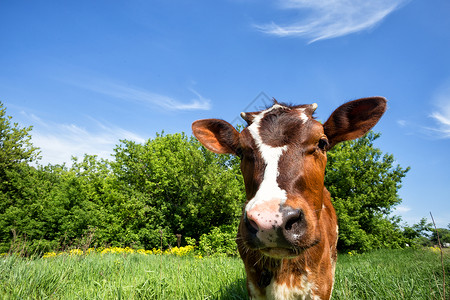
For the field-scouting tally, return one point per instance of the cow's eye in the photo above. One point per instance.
(323, 143)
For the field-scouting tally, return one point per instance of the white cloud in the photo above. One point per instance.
(442, 119)
(59, 142)
(331, 18)
(442, 115)
(402, 123)
(145, 97)
(402, 209)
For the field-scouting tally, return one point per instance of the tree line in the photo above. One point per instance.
(147, 193)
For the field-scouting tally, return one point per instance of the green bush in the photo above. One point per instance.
(219, 241)
(364, 185)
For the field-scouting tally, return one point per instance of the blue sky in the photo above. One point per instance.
(88, 73)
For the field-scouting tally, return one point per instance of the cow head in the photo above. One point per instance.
(283, 157)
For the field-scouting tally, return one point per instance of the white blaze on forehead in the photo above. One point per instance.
(302, 114)
(269, 188)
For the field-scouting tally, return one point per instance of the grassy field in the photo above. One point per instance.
(393, 274)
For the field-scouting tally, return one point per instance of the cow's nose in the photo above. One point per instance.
(274, 227)
(260, 219)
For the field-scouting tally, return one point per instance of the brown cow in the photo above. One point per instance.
(288, 231)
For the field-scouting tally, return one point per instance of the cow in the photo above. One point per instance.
(288, 231)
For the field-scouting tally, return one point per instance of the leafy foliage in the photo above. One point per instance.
(220, 241)
(147, 194)
(188, 189)
(15, 143)
(364, 186)
(419, 234)
(444, 236)
(17, 193)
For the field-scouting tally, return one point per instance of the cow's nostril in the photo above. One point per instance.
(293, 217)
(251, 225)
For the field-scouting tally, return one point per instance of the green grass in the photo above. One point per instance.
(384, 274)
(391, 274)
(117, 276)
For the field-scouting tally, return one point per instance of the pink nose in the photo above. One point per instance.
(272, 223)
(266, 215)
(264, 219)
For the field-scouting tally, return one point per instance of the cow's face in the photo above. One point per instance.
(283, 158)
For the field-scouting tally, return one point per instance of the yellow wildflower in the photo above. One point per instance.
(435, 249)
(49, 254)
(75, 252)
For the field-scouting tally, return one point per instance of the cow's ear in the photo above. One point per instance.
(216, 135)
(354, 119)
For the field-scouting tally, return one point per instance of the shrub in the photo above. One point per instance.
(219, 241)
